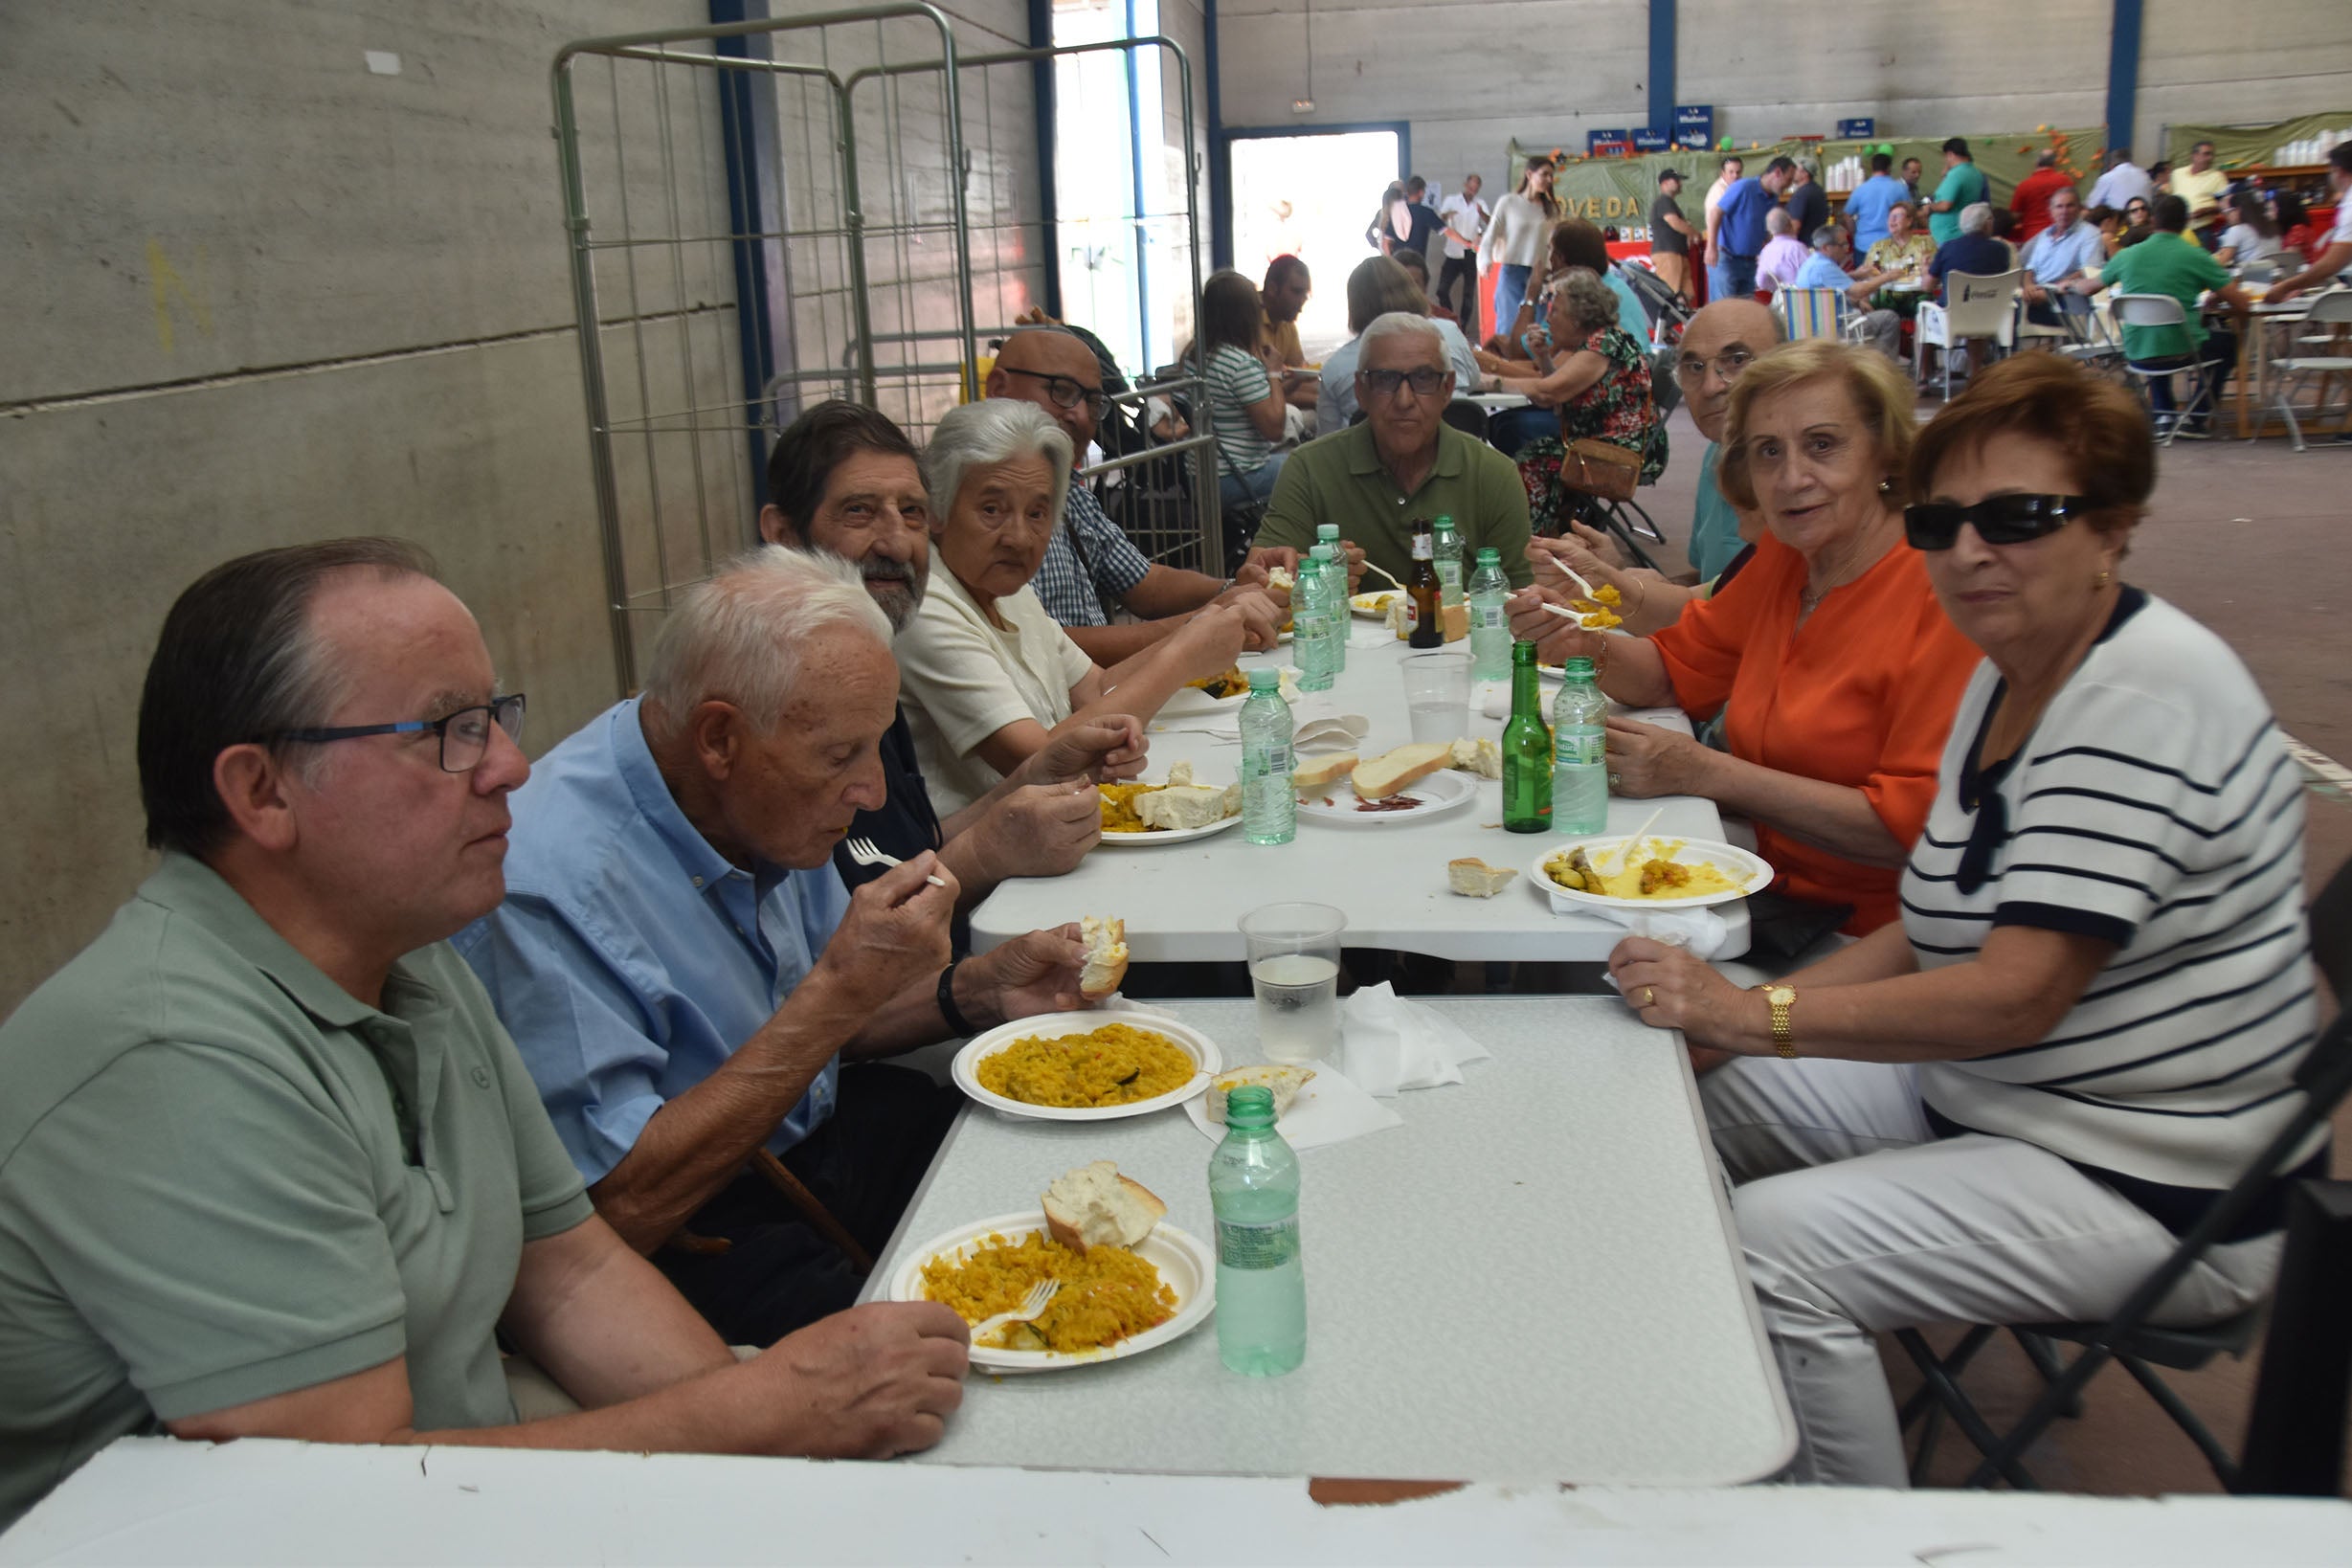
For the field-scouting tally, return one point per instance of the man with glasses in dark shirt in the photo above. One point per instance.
(1403, 462)
(1090, 564)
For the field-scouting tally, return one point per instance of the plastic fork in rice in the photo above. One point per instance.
(865, 852)
(1040, 1298)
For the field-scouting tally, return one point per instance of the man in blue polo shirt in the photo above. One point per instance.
(1872, 200)
(1737, 234)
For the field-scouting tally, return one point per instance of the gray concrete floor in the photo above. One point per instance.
(2242, 535)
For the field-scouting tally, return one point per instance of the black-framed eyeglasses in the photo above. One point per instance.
(1999, 520)
(464, 735)
(1424, 381)
(1065, 391)
(1728, 364)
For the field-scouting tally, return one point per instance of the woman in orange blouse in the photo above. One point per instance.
(1836, 670)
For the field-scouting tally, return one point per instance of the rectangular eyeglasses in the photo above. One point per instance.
(464, 735)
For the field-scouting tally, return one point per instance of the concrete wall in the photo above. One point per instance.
(260, 291)
(1471, 76)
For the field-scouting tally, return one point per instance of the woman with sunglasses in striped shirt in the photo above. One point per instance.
(2007, 1106)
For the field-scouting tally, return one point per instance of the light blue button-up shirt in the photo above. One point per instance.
(630, 959)
(1868, 207)
(2052, 255)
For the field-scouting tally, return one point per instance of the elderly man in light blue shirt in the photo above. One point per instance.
(1824, 268)
(685, 972)
(2062, 262)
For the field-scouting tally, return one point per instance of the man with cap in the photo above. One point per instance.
(1672, 236)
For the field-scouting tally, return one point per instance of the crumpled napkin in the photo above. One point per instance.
(1342, 733)
(1393, 1044)
(1330, 1109)
(1370, 634)
(1701, 931)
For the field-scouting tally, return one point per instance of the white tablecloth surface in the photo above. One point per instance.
(1534, 1280)
(1181, 902)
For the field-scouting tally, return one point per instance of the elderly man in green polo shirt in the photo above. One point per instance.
(1403, 462)
(269, 1167)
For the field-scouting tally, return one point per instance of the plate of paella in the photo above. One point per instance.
(1087, 1066)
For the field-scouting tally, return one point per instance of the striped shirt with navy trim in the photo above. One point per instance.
(2155, 806)
(1237, 379)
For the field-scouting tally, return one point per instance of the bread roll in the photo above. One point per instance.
(1480, 757)
(1105, 956)
(1405, 766)
(1474, 878)
(1285, 1081)
(1094, 1205)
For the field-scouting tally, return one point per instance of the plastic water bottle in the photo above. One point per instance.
(1327, 533)
(1449, 562)
(1269, 805)
(1310, 624)
(1260, 1280)
(1489, 620)
(1579, 753)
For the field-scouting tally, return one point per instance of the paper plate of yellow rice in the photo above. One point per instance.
(1660, 873)
(1114, 1302)
(1086, 1067)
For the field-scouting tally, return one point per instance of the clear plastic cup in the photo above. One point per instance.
(1437, 694)
(1295, 974)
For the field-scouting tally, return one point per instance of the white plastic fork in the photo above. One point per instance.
(865, 852)
(1385, 572)
(1040, 1298)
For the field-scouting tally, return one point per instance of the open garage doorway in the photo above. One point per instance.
(1312, 196)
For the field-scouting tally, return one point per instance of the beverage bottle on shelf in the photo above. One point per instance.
(1260, 1280)
(1448, 545)
(1579, 752)
(1327, 533)
(1527, 744)
(1314, 626)
(1489, 620)
(1270, 806)
(1421, 584)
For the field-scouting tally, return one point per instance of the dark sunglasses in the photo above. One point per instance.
(1999, 520)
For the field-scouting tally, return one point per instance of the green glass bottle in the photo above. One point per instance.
(1526, 749)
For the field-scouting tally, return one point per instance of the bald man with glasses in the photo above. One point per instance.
(1092, 567)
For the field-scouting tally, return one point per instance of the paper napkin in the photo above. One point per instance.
(1393, 1044)
(1330, 1109)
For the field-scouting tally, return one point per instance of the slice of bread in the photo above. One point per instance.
(1285, 1081)
(1094, 1205)
(1474, 878)
(1405, 766)
(1480, 756)
(1455, 621)
(1323, 773)
(1105, 956)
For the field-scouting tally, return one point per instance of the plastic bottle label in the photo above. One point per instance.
(1490, 616)
(1581, 748)
(1240, 1244)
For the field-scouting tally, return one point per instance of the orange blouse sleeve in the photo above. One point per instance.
(1901, 789)
(1702, 649)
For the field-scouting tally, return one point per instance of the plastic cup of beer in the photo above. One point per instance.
(1295, 974)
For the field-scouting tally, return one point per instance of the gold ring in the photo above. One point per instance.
(1650, 994)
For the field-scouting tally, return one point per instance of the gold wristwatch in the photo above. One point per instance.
(1784, 1038)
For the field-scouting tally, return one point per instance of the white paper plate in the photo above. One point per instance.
(1752, 873)
(965, 1068)
(1373, 606)
(1442, 791)
(1184, 1261)
(1193, 700)
(1171, 836)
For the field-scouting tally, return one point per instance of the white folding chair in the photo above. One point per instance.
(1982, 309)
(2163, 310)
(2332, 310)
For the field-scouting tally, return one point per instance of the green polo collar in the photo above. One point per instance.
(1364, 454)
(187, 886)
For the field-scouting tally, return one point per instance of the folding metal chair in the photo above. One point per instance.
(1809, 313)
(2158, 310)
(2332, 310)
(2324, 1077)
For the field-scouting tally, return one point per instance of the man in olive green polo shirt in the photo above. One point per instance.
(270, 1166)
(1403, 463)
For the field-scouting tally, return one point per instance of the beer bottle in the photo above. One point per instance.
(1422, 583)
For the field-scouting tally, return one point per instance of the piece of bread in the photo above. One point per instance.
(1474, 878)
(1323, 773)
(1393, 771)
(1480, 756)
(1105, 956)
(1285, 1081)
(1094, 1205)
(1187, 806)
(1454, 619)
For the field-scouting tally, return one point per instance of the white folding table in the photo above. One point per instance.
(1534, 1280)
(1181, 900)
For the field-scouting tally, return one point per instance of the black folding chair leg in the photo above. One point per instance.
(1963, 1414)
(2046, 1362)
(1923, 1401)
(2215, 1455)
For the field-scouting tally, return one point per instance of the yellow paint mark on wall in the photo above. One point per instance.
(166, 281)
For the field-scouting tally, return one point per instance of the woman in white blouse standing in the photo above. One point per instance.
(1515, 239)
(986, 675)
(2007, 1106)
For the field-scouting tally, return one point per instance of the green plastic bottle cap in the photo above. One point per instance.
(1577, 669)
(1269, 679)
(1252, 1104)
(1488, 555)
(1327, 530)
